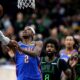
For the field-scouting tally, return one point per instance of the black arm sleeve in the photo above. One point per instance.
(63, 66)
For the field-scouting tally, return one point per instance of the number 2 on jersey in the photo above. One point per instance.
(26, 59)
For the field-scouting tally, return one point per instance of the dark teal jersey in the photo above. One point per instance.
(52, 70)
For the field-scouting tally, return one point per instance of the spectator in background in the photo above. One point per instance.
(6, 21)
(8, 28)
(20, 35)
(62, 41)
(19, 24)
(64, 31)
(54, 32)
(38, 37)
(32, 19)
(41, 29)
(9, 31)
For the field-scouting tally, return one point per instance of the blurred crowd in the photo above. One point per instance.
(51, 18)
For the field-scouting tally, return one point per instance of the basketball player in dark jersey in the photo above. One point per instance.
(52, 66)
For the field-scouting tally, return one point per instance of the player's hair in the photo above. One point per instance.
(52, 41)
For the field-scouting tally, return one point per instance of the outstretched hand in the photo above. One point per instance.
(73, 61)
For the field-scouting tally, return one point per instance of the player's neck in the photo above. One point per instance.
(69, 49)
(27, 41)
(51, 58)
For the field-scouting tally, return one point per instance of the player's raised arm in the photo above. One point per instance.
(7, 44)
(35, 52)
(6, 41)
